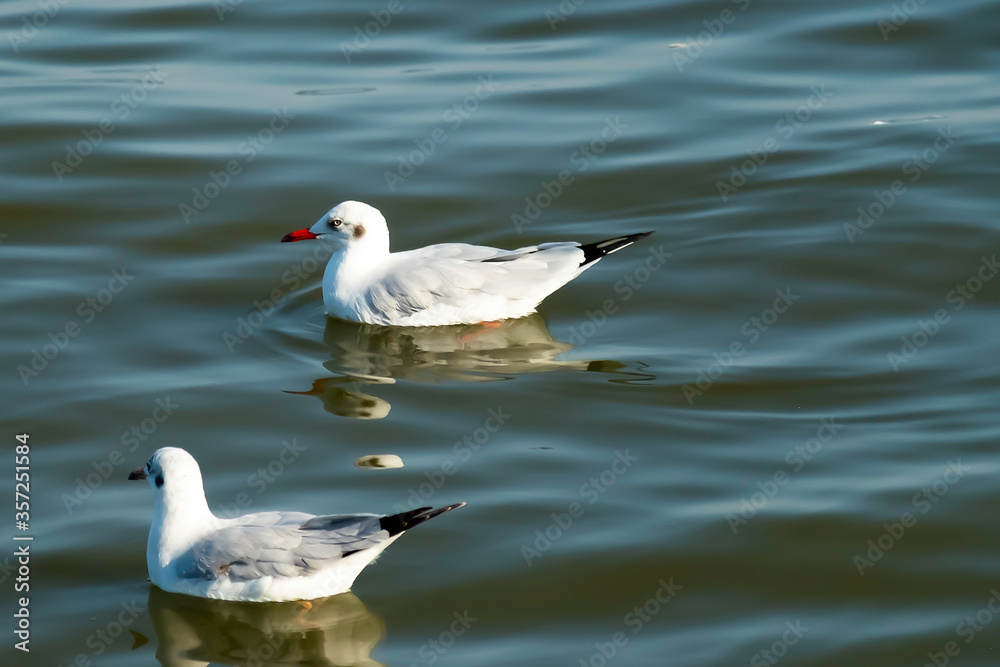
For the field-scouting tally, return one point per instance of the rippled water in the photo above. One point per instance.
(765, 434)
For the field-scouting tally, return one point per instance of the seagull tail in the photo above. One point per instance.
(594, 251)
(397, 523)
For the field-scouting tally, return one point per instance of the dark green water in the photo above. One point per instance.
(765, 434)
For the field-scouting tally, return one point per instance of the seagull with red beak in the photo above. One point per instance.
(447, 283)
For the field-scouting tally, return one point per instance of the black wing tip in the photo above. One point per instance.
(398, 523)
(594, 251)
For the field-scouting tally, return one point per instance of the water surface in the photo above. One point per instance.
(768, 428)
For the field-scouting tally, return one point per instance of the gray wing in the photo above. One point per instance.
(460, 273)
(277, 544)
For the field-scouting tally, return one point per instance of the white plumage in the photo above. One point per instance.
(447, 283)
(261, 557)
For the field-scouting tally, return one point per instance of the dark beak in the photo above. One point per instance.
(138, 473)
(300, 235)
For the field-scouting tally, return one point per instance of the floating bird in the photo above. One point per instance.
(262, 557)
(447, 283)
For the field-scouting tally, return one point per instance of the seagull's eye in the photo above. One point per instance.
(336, 223)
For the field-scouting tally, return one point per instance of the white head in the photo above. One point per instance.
(172, 473)
(349, 224)
(180, 515)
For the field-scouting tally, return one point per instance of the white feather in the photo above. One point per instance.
(260, 557)
(448, 283)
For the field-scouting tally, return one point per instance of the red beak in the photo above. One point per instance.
(300, 235)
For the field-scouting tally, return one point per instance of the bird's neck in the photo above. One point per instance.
(352, 266)
(179, 520)
(374, 247)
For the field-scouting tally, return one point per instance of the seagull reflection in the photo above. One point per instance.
(340, 396)
(364, 356)
(338, 630)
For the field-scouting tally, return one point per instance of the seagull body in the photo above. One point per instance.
(447, 283)
(261, 557)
